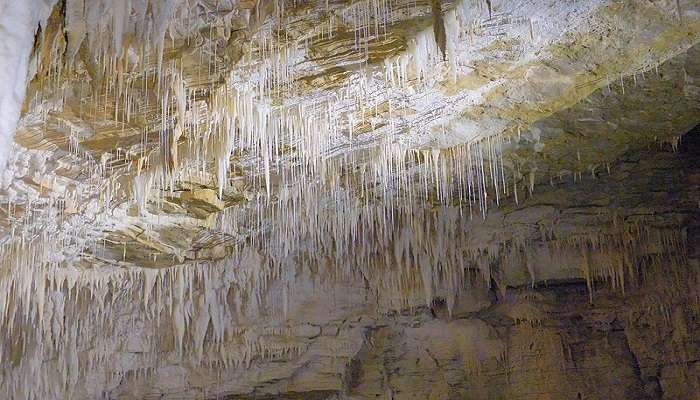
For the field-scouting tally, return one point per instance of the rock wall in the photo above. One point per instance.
(615, 348)
(557, 337)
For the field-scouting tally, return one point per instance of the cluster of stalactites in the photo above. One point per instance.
(113, 28)
(408, 257)
(60, 324)
(394, 214)
(244, 120)
(403, 249)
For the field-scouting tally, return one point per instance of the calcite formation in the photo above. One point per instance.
(349, 199)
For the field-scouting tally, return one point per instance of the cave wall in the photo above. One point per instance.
(555, 337)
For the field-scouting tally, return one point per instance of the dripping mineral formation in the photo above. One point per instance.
(349, 199)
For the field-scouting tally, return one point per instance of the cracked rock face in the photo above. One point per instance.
(349, 199)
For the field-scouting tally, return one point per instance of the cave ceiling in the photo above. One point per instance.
(229, 172)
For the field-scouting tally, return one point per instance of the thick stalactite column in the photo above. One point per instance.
(19, 21)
